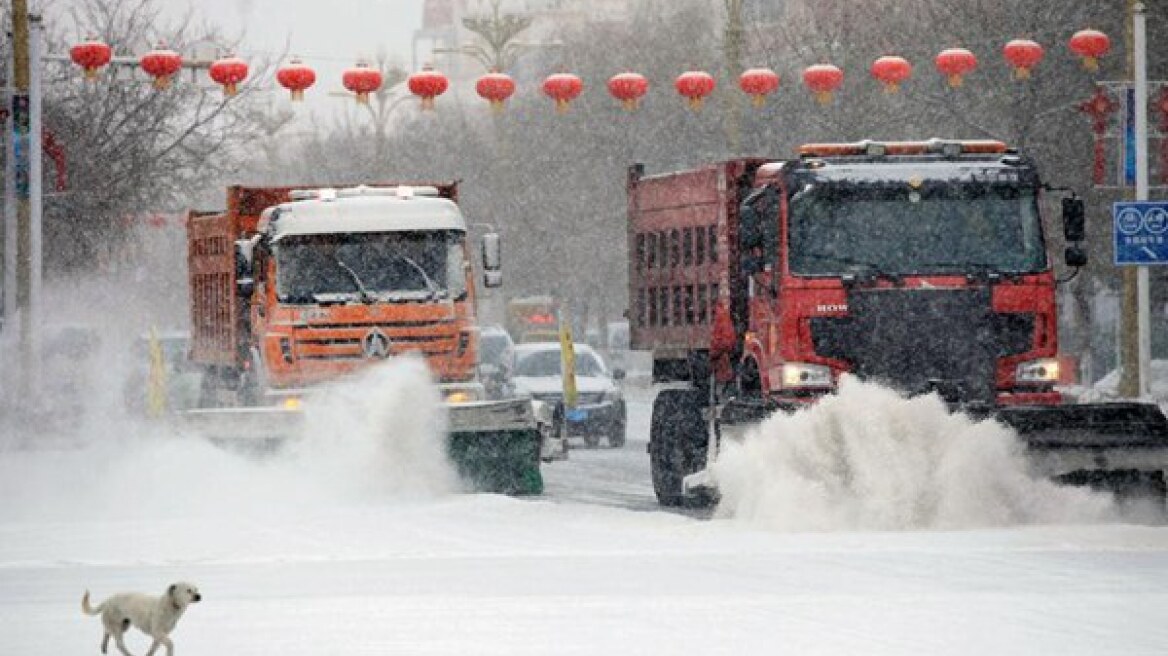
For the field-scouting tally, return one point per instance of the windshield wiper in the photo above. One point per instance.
(431, 286)
(861, 269)
(976, 270)
(366, 297)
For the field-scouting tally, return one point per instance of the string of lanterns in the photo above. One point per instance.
(823, 79)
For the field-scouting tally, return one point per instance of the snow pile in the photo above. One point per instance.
(867, 458)
(375, 437)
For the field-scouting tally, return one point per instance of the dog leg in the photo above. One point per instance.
(121, 645)
(105, 643)
(164, 641)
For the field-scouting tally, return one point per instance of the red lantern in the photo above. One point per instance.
(428, 84)
(695, 86)
(823, 80)
(563, 88)
(1023, 55)
(955, 64)
(91, 55)
(362, 80)
(759, 83)
(891, 71)
(628, 88)
(229, 72)
(495, 87)
(1090, 45)
(296, 77)
(161, 64)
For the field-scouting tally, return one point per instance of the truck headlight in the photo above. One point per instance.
(801, 375)
(1045, 370)
(459, 396)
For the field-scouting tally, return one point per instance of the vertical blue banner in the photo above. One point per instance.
(20, 128)
(1129, 137)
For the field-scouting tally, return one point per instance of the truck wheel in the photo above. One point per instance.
(677, 442)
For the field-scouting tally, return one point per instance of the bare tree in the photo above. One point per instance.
(132, 149)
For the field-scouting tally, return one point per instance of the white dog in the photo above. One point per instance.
(154, 616)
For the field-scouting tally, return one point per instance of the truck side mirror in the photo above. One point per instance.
(492, 257)
(750, 230)
(1074, 219)
(1075, 256)
(245, 268)
(244, 258)
(753, 265)
(245, 286)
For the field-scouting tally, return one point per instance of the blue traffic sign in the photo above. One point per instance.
(1141, 233)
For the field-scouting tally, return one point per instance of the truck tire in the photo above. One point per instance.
(677, 442)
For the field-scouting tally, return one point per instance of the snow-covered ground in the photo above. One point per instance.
(861, 535)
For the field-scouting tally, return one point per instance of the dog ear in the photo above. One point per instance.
(170, 590)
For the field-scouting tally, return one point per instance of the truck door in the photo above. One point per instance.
(759, 221)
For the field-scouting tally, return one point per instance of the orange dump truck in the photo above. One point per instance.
(292, 288)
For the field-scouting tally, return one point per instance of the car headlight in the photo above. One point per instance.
(801, 375)
(1045, 370)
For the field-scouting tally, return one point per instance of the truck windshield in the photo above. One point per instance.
(899, 229)
(383, 266)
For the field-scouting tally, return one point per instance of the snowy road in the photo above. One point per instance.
(315, 556)
(604, 476)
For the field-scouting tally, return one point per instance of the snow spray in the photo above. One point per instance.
(868, 458)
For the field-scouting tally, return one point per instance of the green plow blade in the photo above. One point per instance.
(502, 462)
(495, 445)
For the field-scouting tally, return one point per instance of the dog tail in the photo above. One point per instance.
(85, 607)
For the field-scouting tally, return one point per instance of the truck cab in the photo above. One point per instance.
(920, 265)
(330, 280)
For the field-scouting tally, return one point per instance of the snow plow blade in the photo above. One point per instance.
(494, 445)
(1121, 447)
(1091, 437)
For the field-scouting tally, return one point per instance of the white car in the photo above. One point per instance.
(600, 407)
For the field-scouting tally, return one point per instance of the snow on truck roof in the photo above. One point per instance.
(342, 211)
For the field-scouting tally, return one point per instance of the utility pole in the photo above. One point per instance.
(1143, 283)
(21, 120)
(1130, 385)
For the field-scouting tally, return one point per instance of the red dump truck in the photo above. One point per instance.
(923, 265)
(293, 288)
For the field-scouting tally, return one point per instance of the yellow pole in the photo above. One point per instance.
(156, 385)
(568, 361)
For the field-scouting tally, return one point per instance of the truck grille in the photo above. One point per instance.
(920, 340)
(344, 342)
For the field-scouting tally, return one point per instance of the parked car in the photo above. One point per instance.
(496, 360)
(600, 408)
